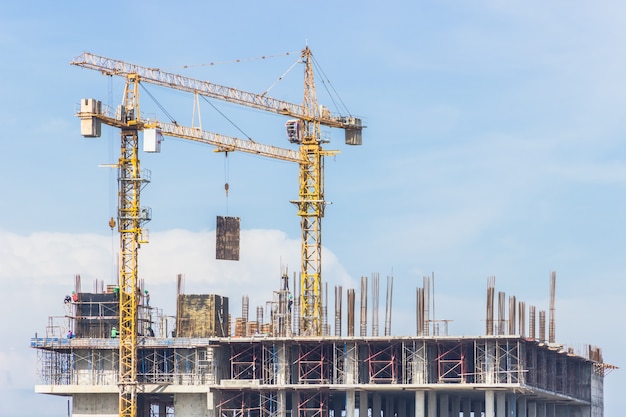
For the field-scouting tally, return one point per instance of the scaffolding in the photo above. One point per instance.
(267, 371)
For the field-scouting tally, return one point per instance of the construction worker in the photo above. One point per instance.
(116, 292)
(67, 299)
(146, 294)
(74, 296)
(114, 332)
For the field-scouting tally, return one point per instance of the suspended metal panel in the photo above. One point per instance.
(227, 238)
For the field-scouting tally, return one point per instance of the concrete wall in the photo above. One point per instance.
(92, 405)
(191, 405)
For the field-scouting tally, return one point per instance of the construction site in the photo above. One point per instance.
(116, 354)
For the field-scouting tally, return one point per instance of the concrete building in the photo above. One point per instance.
(200, 368)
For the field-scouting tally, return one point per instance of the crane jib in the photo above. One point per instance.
(111, 66)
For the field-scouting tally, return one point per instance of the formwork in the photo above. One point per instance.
(269, 371)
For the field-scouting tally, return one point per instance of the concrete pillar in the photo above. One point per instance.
(532, 409)
(363, 404)
(211, 403)
(282, 403)
(500, 404)
(489, 404)
(512, 405)
(376, 408)
(401, 407)
(444, 406)
(350, 403)
(432, 404)
(419, 404)
(294, 403)
(467, 407)
(521, 407)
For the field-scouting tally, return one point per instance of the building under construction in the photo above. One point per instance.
(200, 362)
(114, 353)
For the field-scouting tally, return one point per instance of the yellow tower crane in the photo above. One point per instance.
(303, 128)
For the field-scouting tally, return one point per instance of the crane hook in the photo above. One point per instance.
(112, 223)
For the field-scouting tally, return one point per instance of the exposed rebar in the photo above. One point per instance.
(338, 297)
(351, 312)
(552, 325)
(542, 325)
(375, 302)
(388, 305)
(363, 322)
(532, 322)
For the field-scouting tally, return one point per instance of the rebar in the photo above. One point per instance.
(350, 294)
(338, 297)
(552, 325)
(512, 314)
(375, 302)
(531, 322)
(388, 305)
(363, 322)
(542, 325)
(491, 284)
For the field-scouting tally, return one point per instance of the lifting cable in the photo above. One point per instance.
(226, 178)
(326, 82)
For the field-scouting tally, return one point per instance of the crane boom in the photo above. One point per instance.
(109, 66)
(222, 142)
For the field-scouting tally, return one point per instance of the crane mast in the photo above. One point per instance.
(130, 219)
(131, 216)
(311, 206)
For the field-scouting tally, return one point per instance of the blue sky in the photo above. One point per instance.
(495, 146)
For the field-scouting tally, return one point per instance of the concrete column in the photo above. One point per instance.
(401, 407)
(350, 403)
(500, 404)
(489, 404)
(376, 408)
(467, 407)
(294, 403)
(532, 409)
(512, 406)
(419, 404)
(210, 405)
(432, 404)
(521, 407)
(282, 403)
(444, 406)
(363, 404)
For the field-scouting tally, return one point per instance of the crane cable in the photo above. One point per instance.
(226, 178)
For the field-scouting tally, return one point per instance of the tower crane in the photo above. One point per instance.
(303, 128)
